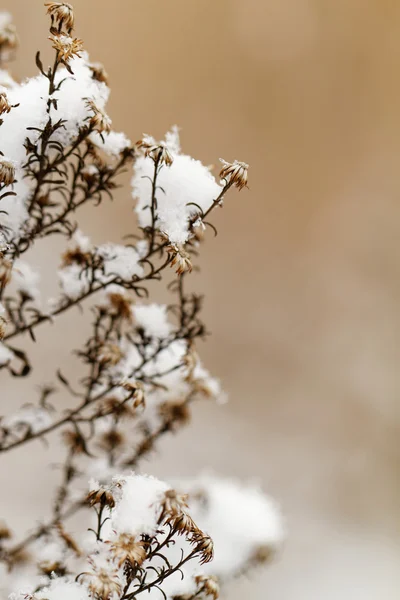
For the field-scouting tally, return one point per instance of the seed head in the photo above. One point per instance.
(8, 40)
(157, 151)
(111, 354)
(209, 585)
(183, 524)
(7, 172)
(205, 546)
(102, 496)
(61, 13)
(101, 583)
(173, 504)
(99, 121)
(121, 305)
(180, 259)
(174, 414)
(125, 548)
(98, 72)
(234, 173)
(5, 106)
(66, 46)
(5, 533)
(3, 327)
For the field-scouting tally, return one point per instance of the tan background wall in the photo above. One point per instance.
(303, 280)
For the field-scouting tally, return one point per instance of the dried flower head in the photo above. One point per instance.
(7, 172)
(8, 39)
(102, 496)
(61, 13)
(5, 106)
(111, 354)
(175, 414)
(125, 548)
(5, 533)
(66, 46)
(74, 440)
(180, 259)
(205, 546)
(101, 582)
(262, 555)
(76, 256)
(137, 391)
(173, 504)
(5, 271)
(234, 173)
(3, 328)
(157, 151)
(99, 121)
(111, 439)
(98, 72)
(122, 305)
(209, 585)
(183, 524)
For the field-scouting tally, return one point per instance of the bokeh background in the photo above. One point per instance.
(302, 283)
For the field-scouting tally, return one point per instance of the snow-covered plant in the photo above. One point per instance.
(58, 152)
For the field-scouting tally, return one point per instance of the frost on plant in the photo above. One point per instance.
(58, 152)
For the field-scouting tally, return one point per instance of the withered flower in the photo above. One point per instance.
(234, 173)
(102, 496)
(100, 121)
(111, 439)
(90, 174)
(205, 546)
(5, 533)
(173, 504)
(66, 46)
(5, 106)
(125, 548)
(111, 354)
(175, 413)
(7, 172)
(183, 524)
(8, 38)
(101, 583)
(75, 256)
(209, 585)
(180, 259)
(157, 151)
(98, 72)
(121, 305)
(48, 567)
(138, 392)
(5, 271)
(61, 13)
(3, 327)
(74, 440)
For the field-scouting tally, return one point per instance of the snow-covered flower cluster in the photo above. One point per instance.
(58, 152)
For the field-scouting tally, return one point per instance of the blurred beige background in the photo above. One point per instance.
(303, 280)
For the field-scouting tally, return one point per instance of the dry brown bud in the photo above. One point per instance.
(8, 39)
(262, 555)
(100, 121)
(101, 583)
(173, 504)
(3, 328)
(61, 13)
(75, 256)
(125, 548)
(122, 305)
(111, 439)
(175, 413)
(74, 440)
(137, 390)
(234, 173)
(7, 172)
(5, 533)
(157, 151)
(180, 259)
(183, 524)
(101, 496)
(111, 354)
(209, 585)
(66, 46)
(98, 72)
(205, 546)
(5, 106)
(5, 272)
